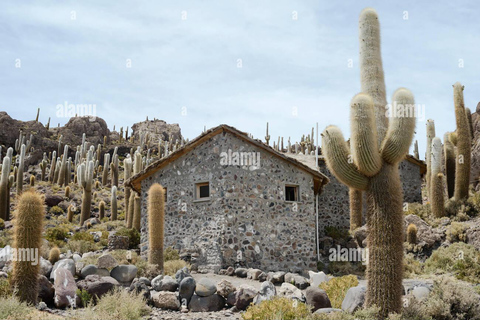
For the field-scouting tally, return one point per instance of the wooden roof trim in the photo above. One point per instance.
(135, 181)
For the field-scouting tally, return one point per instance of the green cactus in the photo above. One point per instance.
(356, 208)
(127, 168)
(85, 181)
(5, 189)
(468, 114)
(63, 167)
(113, 204)
(106, 164)
(464, 145)
(32, 181)
(51, 174)
(54, 255)
(412, 233)
(437, 199)
(70, 213)
(28, 227)
(449, 163)
(131, 210)
(384, 191)
(428, 155)
(101, 210)
(43, 168)
(137, 212)
(21, 166)
(114, 171)
(156, 219)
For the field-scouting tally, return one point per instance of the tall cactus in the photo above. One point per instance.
(21, 166)
(106, 164)
(28, 227)
(127, 171)
(449, 152)
(156, 219)
(468, 114)
(416, 154)
(113, 204)
(137, 213)
(379, 178)
(51, 174)
(437, 199)
(5, 189)
(63, 168)
(356, 208)
(428, 155)
(464, 145)
(114, 170)
(85, 180)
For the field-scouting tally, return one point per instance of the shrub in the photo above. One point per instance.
(55, 234)
(456, 232)
(132, 234)
(460, 259)
(277, 308)
(85, 236)
(172, 266)
(12, 308)
(146, 269)
(342, 268)
(171, 254)
(81, 246)
(412, 266)
(336, 288)
(5, 288)
(85, 297)
(56, 211)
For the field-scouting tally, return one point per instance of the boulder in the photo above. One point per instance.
(231, 298)
(289, 291)
(316, 278)
(206, 304)
(262, 277)
(253, 274)
(67, 264)
(118, 242)
(182, 274)
(420, 293)
(166, 283)
(327, 310)
(244, 296)
(230, 271)
(426, 235)
(76, 257)
(267, 292)
(155, 283)
(5, 255)
(95, 129)
(317, 298)
(96, 285)
(354, 299)
(186, 289)
(106, 261)
(224, 288)
(92, 269)
(276, 277)
(166, 300)
(141, 288)
(205, 287)
(45, 267)
(52, 200)
(241, 272)
(157, 130)
(144, 280)
(46, 291)
(297, 280)
(124, 273)
(65, 289)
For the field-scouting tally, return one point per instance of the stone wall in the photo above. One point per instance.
(246, 219)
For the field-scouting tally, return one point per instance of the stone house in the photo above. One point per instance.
(231, 199)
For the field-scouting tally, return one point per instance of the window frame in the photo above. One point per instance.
(297, 188)
(196, 191)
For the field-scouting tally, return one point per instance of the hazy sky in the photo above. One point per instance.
(243, 63)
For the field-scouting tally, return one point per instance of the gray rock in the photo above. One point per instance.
(231, 298)
(167, 283)
(206, 304)
(97, 286)
(327, 310)
(205, 287)
(253, 274)
(230, 271)
(46, 291)
(317, 298)
(297, 280)
(182, 274)
(420, 293)
(5, 255)
(225, 287)
(165, 300)
(65, 289)
(262, 277)
(68, 264)
(107, 261)
(88, 255)
(155, 283)
(186, 289)
(244, 296)
(276, 277)
(317, 278)
(141, 288)
(267, 292)
(145, 280)
(241, 272)
(45, 267)
(76, 257)
(124, 273)
(354, 299)
(92, 269)
(289, 291)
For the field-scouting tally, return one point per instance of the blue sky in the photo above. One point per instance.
(185, 56)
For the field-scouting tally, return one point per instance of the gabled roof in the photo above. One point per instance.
(135, 182)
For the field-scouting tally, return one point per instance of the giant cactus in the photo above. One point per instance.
(464, 145)
(4, 188)
(428, 155)
(85, 181)
(379, 178)
(356, 208)
(113, 204)
(437, 199)
(28, 227)
(127, 164)
(156, 219)
(63, 168)
(21, 165)
(449, 163)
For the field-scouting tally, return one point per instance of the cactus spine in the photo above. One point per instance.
(21, 165)
(156, 218)
(5, 188)
(113, 204)
(436, 183)
(412, 233)
(356, 208)
(428, 155)
(464, 144)
(85, 180)
(384, 190)
(449, 152)
(28, 227)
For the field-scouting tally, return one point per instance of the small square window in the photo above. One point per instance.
(291, 193)
(202, 191)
